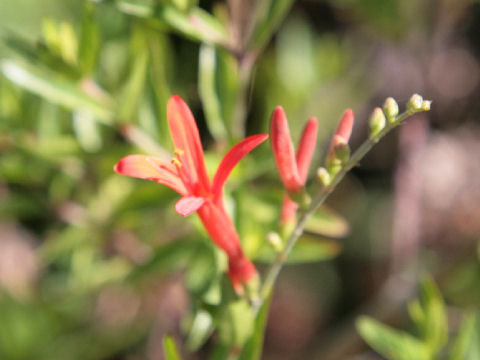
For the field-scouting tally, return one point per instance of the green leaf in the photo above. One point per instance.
(200, 330)
(196, 24)
(391, 343)
(326, 222)
(56, 89)
(434, 327)
(133, 89)
(87, 131)
(254, 346)
(170, 349)
(271, 16)
(89, 41)
(235, 322)
(308, 249)
(208, 93)
(465, 338)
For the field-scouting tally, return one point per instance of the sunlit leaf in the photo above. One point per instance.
(235, 323)
(463, 344)
(208, 92)
(58, 90)
(391, 343)
(170, 349)
(253, 348)
(200, 330)
(434, 326)
(308, 249)
(327, 222)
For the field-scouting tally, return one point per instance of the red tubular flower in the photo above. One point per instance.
(293, 169)
(283, 151)
(342, 134)
(187, 175)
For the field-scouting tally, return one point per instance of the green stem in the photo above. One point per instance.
(318, 200)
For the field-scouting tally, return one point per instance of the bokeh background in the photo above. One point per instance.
(94, 265)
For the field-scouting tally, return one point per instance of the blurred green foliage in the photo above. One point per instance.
(84, 83)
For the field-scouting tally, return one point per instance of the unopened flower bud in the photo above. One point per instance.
(415, 103)
(390, 107)
(426, 105)
(275, 241)
(377, 122)
(324, 176)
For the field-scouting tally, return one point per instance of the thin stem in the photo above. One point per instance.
(318, 200)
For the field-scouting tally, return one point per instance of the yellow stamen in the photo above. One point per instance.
(175, 161)
(179, 152)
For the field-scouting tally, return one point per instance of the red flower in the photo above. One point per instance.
(293, 169)
(342, 134)
(187, 175)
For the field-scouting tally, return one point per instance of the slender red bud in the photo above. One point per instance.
(283, 151)
(306, 148)
(339, 144)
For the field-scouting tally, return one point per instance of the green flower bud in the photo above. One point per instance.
(275, 241)
(377, 122)
(415, 103)
(324, 176)
(390, 107)
(426, 105)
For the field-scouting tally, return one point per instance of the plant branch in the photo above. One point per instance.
(319, 199)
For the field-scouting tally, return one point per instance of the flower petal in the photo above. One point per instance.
(283, 151)
(188, 204)
(187, 142)
(150, 168)
(345, 126)
(306, 147)
(231, 159)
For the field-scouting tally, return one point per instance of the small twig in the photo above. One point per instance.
(318, 200)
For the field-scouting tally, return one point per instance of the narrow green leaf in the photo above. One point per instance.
(254, 346)
(465, 338)
(86, 131)
(235, 323)
(56, 89)
(200, 330)
(133, 89)
(391, 343)
(170, 349)
(208, 92)
(270, 18)
(196, 24)
(327, 222)
(89, 41)
(308, 249)
(434, 327)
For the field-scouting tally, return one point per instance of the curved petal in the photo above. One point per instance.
(150, 168)
(345, 126)
(306, 147)
(188, 204)
(231, 159)
(187, 142)
(283, 151)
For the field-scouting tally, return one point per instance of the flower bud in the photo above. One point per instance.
(323, 176)
(275, 241)
(283, 151)
(377, 122)
(415, 103)
(390, 107)
(426, 105)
